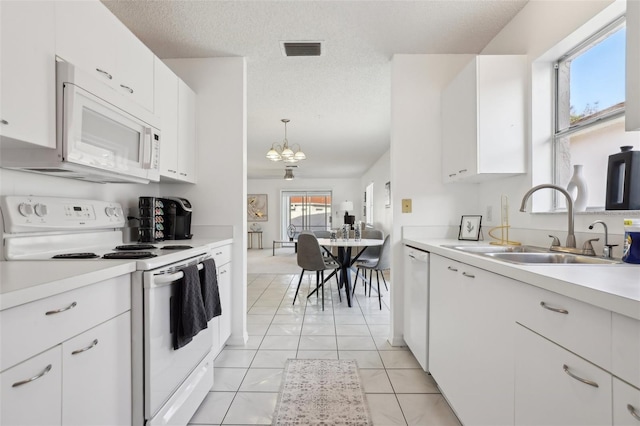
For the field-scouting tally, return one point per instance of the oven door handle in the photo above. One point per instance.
(160, 280)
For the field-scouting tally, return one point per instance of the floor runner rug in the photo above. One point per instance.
(321, 392)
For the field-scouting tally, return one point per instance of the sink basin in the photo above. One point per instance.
(550, 258)
(497, 249)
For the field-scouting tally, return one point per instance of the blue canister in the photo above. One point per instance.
(631, 251)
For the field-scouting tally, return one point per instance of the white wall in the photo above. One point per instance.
(219, 197)
(416, 167)
(379, 174)
(342, 189)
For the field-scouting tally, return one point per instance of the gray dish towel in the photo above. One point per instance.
(210, 292)
(190, 315)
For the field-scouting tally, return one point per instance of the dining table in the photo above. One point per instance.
(344, 258)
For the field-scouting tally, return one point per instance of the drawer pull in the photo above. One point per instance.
(451, 268)
(57, 311)
(218, 253)
(109, 76)
(558, 310)
(633, 412)
(127, 88)
(580, 379)
(452, 175)
(462, 171)
(3, 121)
(36, 377)
(79, 351)
(468, 275)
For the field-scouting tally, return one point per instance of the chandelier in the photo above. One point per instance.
(284, 152)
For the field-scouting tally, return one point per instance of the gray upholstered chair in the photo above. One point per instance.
(369, 254)
(379, 265)
(310, 258)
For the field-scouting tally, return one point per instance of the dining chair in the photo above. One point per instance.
(381, 264)
(369, 254)
(310, 258)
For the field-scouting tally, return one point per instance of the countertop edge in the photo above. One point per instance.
(610, 300)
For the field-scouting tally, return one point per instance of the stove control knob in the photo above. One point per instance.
(110, 211)
(41, 210)
(25, 209)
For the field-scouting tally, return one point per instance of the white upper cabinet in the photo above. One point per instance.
(89, 36)
(186, 133)
(27, 72)
(632, 102)
(166, 107)
(175, 104)
(483, 120)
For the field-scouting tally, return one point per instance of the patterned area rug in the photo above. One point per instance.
(321, 392)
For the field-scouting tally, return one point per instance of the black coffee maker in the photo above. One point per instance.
(164, 218)
(623, 180)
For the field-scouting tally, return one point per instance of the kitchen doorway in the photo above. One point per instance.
(305, 210)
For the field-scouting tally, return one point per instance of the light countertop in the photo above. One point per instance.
(24, 281)
(612, 287)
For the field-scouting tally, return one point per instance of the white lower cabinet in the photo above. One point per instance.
(221, 325)
(66, 359)
(97, 375)
(31, 391)
(556, 387)
(471, 340)
(626, 404)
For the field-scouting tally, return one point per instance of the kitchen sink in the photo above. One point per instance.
(497, 249)
(531, 255)
(550, 258)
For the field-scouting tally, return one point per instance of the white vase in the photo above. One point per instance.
(579, 184)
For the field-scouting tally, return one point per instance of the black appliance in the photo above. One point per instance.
(164, 218)
(623, 180)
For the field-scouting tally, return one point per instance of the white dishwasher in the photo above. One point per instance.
(416, 303)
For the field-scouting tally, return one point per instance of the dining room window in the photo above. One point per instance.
(305, 210)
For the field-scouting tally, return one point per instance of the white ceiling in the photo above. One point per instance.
(339, 103)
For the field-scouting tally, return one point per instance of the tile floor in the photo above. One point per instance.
(248, 377)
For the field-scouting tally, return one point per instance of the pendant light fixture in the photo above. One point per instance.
(284, 152)
(288, 174)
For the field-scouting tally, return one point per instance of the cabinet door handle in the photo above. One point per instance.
(633, 412)
(468, 275)
(558, 310)
(412, 256)
(580, 379)
(127, 88)
(452, 174)
(57, 311)
(109, 76)
(462, 171)
(171, 171)
(36, 377)
(451, 268)
(79, 351)
(4, 122)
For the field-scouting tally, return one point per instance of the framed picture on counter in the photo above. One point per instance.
(470, 227)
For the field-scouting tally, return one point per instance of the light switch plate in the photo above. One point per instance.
(406, 205)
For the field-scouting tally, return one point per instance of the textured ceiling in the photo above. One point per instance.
(339, 103)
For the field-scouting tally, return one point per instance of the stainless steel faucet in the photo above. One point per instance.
(571, 238)
(607, 250)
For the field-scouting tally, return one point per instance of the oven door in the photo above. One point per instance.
(166, 369)
(98, 134)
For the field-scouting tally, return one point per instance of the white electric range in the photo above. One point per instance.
(167, 385)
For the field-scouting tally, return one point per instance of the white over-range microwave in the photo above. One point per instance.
(101, 135)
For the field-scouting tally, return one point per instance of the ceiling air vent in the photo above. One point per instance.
(301, 48)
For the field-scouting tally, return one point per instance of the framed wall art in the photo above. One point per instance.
(470, 228)
(257, 208)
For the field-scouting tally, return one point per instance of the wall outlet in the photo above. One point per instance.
(489, 214)
(406, 205)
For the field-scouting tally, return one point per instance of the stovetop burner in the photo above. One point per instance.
(75, 256)
(129, 255)
(136, 247)
(176, 247)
